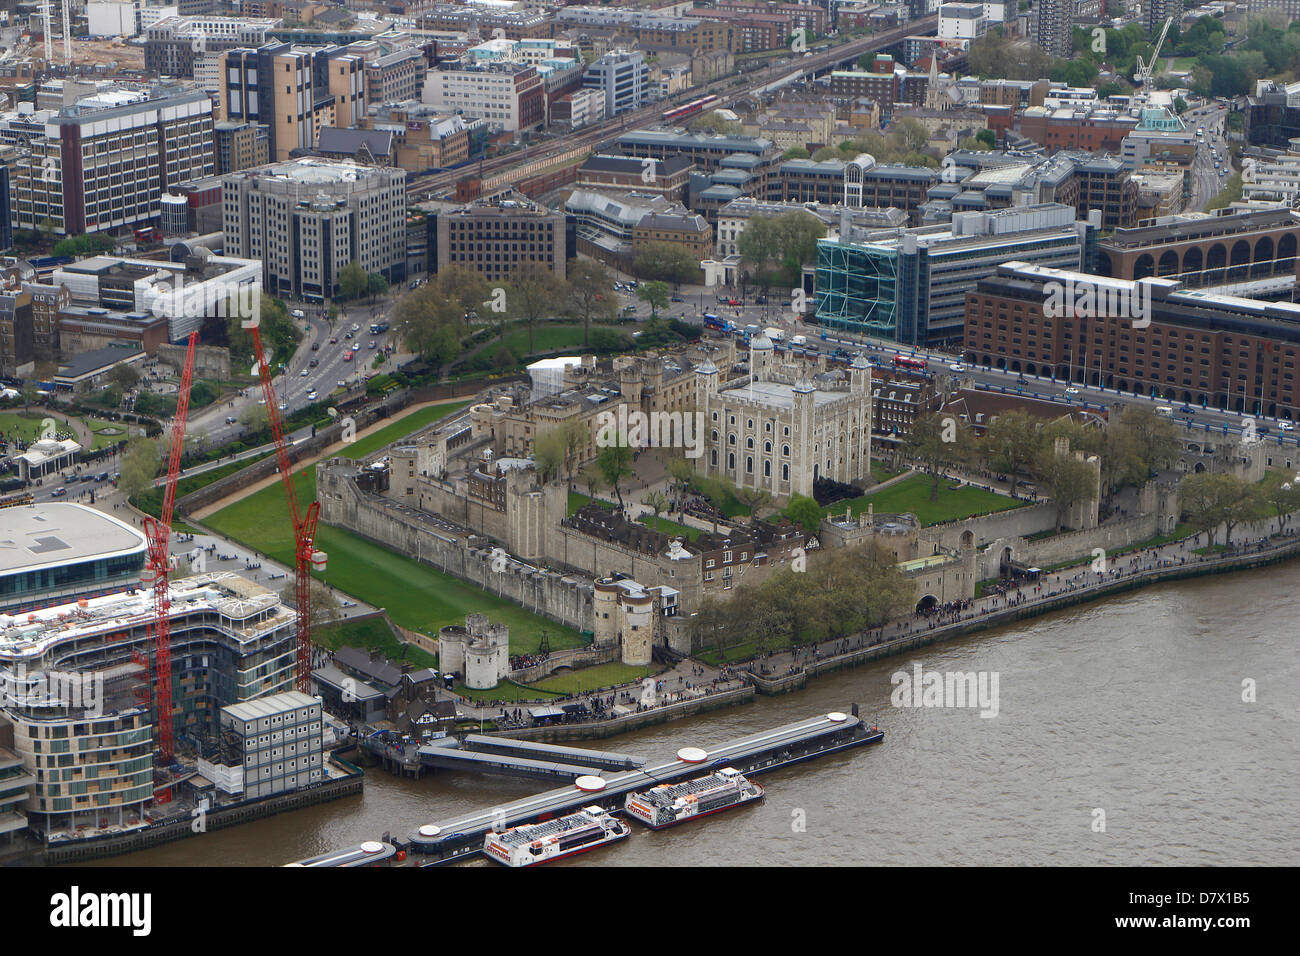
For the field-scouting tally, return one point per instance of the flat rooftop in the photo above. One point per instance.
(59, 533)
(778, 395)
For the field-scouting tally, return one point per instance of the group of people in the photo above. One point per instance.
(520, 661)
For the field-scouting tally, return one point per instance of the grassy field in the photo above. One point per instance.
(547, 337)
(913, 496)
(151, 501)
(25, 426)
(578, 500)
(880, 473)
(507, 690)
(416, 597)
(372, 632)
(593, 678)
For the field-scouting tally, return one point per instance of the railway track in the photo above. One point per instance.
(437, 184)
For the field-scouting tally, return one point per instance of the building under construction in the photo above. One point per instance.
(78, 670)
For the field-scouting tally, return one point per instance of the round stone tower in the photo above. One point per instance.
(638, 627)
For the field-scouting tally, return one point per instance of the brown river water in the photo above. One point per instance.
(1132, 706)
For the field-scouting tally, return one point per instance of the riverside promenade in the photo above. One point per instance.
(1254, 544)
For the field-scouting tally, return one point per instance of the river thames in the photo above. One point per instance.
(1132, 706)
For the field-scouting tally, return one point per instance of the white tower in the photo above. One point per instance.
(67, 34)
(49, 31)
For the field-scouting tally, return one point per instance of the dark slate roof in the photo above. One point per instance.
(92, 361)
(380, 669)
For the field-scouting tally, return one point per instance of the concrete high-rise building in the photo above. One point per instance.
(105, 161)
(241, 145)
(623, 77)
(507, 94)
(911, 287)
(294, 92)
(1055, 20)
(1156, 12)
(308, 218)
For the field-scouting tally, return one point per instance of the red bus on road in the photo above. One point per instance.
(910, 364)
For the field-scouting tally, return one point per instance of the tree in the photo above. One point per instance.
(681, 472)
(615, 464)
(431, 320)
(255, 418)
(795, 152)
(804, 512)
(325, 607)
(352, 281)
(577, 436)
(988, 138)
(1210, 500)
(754, 499)
(1281, 492)
(1012, 442)
(715, 122)
(124, 376)
(937, 441)
(535, 292)
(591, 477)
(280, 335)
(548, 454)
(1155, 436)
(1066, 480)
(912, 133)
(657, 502)
(140, 466)
(666, 260)
(590, 293)
(785, 243)
(376, 285)
(656, 293)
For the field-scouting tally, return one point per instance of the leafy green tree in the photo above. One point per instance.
(1065, 479)
(590, 293)
(655, 293)
(1281, 492)
(666, 260)
(352, 281)
(548, 454)
(1210, 500)
(937, 441)
(657, 502)
(140, 465)
(988, 138)
(804, 512)
(795, 152)
(535, 293)
(376, 285)
(1012, 442)
(615, 464)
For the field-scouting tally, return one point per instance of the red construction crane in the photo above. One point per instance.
(304, 524)
(159, 531)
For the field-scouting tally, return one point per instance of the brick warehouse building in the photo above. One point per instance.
(1200, 348)
(1234, 247)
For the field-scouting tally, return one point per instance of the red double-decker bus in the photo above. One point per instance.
(910, 364)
